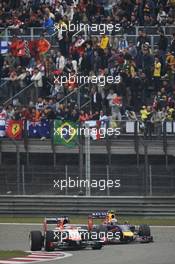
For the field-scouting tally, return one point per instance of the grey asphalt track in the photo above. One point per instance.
(160, 252)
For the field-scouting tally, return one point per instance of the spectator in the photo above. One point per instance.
(14, 82)
(162, 44)
(48, 24)
(96, 100)
(157, 73)
(38, 82)
(60, 61)
(22, 78)
(172, 45)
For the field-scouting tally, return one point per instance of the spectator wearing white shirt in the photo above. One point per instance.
(162, 17)
(38, 82)
(60, 61)
(22, 77)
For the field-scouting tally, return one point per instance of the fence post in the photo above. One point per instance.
(165, 143)
(18, 168)
(137, 31)
(52, 144)
(136, 141)
(81, 161)
(23, 180)
(87, 161)
(6, 35)
(26, 142)
(150, 181)
(78, 99)
(0, 153)
(32, 33)
(107, 174)
(66, 178)
(152, 43)
(146, 167)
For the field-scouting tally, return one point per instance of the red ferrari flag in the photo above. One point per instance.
(14, 129)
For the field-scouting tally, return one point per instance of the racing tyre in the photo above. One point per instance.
(97, 246)
(36, 240)
(49, 238)
(144, 230)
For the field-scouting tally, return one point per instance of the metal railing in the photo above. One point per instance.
(63, 180)
(27, 94)
(72, 205)
(131, 34)
(79, 96)
(5, 91)
(36, 31)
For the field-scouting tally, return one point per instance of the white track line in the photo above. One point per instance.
(36, 258)
(32, 259)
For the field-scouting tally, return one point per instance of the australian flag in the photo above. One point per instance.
(39, 129)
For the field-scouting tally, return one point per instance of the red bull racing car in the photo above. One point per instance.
(119, 233)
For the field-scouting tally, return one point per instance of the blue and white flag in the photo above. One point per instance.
(2, 127)
(4, 47)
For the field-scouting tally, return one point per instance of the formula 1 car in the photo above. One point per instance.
(119, 233)
(62, 236)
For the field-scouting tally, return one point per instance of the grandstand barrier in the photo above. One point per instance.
(76, 205)
(125, 127)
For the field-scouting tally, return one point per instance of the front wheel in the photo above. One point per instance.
(36, 240)
(49, 238)
(97, 246)
(144, 230)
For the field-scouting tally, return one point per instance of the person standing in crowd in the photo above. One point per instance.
(1, 65)
(172, 45)
(157, 74)
(96, 100)
(148, 129)
(38, 83)
(162, 44)
(3, 117)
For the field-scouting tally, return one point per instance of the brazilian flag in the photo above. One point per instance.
(65, 133)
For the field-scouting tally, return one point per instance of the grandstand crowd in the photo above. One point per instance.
(146, 89)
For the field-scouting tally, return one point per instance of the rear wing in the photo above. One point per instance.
(99, 215)
(57, 221)
(103, 214)
(107, 217)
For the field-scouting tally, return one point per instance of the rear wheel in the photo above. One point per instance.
(36, 240)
